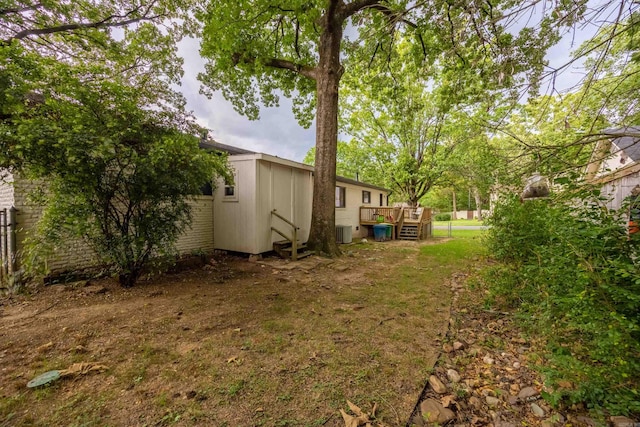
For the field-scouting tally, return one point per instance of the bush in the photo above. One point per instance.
(572, 272)
(443, 217)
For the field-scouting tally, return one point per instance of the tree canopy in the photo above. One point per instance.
(258, 49)
(93, 111)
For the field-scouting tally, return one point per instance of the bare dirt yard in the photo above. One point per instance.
(233, 343)
(401, 329)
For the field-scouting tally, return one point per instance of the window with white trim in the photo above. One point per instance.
(230, 189)
(341, 197)
(366, 197)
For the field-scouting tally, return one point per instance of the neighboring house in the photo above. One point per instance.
(74, 254)
(242, 210)
(615, 165)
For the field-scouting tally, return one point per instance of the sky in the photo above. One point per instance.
(278, 133)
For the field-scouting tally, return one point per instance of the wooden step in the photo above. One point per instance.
(285, 243)
(408, 232)
(284, 249)
(305, 254)
(301, 247)
(407, 238)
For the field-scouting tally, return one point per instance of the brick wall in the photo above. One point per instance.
(75, 254)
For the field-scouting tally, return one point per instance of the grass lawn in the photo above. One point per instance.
(237, 343)
(459, 222)
(463, 234)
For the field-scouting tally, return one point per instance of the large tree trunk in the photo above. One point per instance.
(413, 201)
(322, 236)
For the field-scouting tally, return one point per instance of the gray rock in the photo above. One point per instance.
(513, 400)
(458, 345)
(588, 421)
(437, 385)
(538, 411)
(488, 360)
(475, 402)
(622, 422)
(433, 412)
(487, 392)
(527, 393)
(453, 376)
(492, 401)
(418, 421)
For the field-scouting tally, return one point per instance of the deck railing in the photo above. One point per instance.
(372, 215)
(418, 214)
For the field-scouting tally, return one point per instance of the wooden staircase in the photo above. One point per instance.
(409, 232)
(284, 248)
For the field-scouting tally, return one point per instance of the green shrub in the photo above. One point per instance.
(443, 217)
(573, 273)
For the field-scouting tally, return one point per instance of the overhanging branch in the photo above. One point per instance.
(283, 64)
(111, 21)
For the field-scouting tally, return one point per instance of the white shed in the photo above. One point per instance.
(262, 183)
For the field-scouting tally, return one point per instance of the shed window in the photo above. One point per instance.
(341, 197)
(230, 193)
(366, 197)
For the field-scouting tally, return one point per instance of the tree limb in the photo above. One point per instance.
(356, 6)
(20, 9)
(111, 21)
(304, 70)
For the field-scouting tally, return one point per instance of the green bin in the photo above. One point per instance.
(389, 232)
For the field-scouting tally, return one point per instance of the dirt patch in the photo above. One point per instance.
(232, 343)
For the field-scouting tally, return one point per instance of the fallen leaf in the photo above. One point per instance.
(82, 368)
(45, 347)
(355, 409)
(349, 421)
(233, 359)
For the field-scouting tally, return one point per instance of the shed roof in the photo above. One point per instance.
(360, 183)
(210, 144)
(627, 140)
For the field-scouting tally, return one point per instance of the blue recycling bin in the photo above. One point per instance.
(379, 232)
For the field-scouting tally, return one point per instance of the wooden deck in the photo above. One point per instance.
(408, 223)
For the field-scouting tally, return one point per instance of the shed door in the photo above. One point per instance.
(282, 197)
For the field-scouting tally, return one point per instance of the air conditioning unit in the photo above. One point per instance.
(343, 234)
